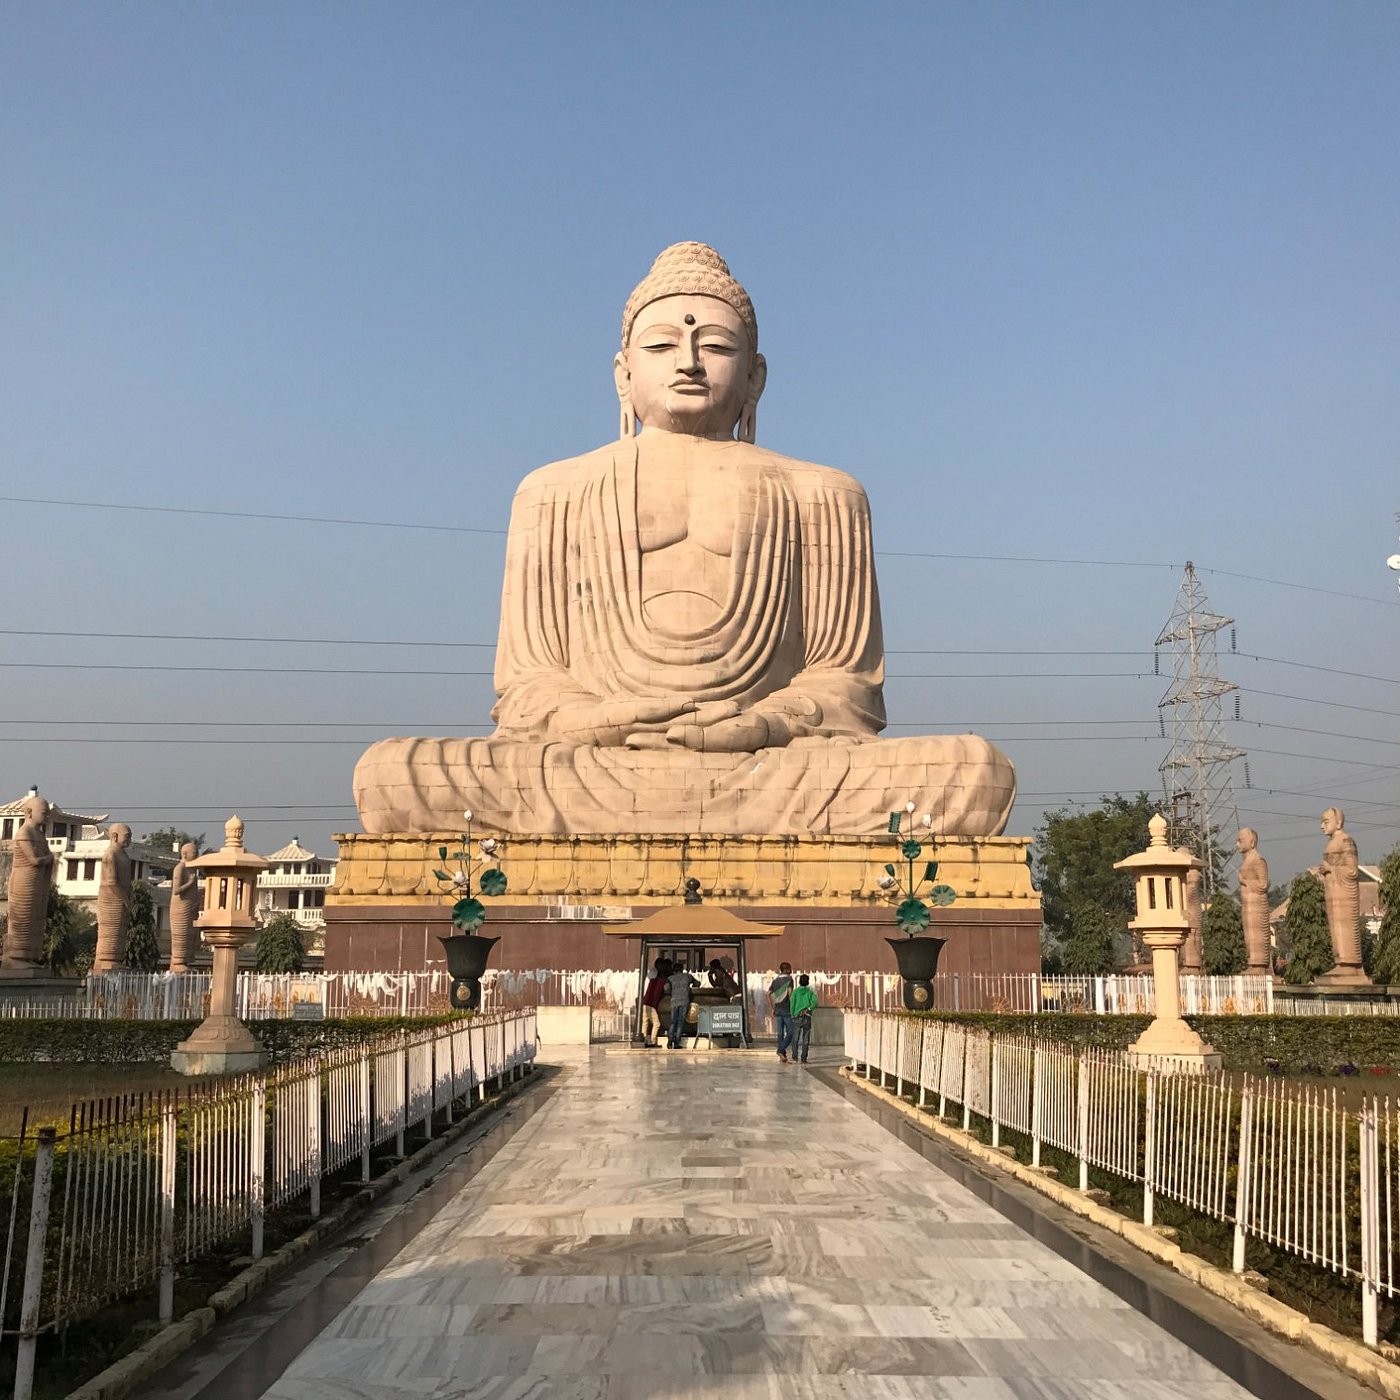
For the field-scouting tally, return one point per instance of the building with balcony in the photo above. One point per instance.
(295, 883)
(78, 841)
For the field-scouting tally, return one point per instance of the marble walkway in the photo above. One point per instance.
(679, 1226)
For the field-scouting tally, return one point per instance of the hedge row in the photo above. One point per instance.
(1263, 1044)
(114, 1042)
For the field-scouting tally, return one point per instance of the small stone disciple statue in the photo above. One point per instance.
(184, 908)
(690, 636)
(113, 900)
(31, 879)
(1341, 872)
(1254, 902)
(1195, 917)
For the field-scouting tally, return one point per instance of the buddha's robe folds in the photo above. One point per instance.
(798, 621)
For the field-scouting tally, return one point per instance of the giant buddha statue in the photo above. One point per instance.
(690, 635)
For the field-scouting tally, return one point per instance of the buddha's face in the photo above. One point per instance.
(120, 835)
(688, 368)
(1331, 821)
(1246, 840)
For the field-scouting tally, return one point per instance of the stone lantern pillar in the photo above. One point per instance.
(222, 1044)
(1163, 921)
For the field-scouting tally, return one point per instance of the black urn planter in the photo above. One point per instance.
(918, 962)
(467, 954)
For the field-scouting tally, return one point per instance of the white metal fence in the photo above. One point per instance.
(261, 996)
(141, 1183)
(1281, 1163)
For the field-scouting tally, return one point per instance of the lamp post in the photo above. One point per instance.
(1159, 876)
(468, 951)
(916, 953)
(222, 1044)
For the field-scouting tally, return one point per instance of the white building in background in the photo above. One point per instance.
(78, 841)
(295, 883)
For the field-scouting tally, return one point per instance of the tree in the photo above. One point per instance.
(1075, 856)
(280, 947)
(166, 838)
(1222, 938)
(142, 950)
(1088, 949)
(70, 936)
(1387, 954)
(1306, 928)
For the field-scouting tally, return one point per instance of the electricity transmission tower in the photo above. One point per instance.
(1196, 773)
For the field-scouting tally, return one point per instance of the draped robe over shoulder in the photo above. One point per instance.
(796, 632)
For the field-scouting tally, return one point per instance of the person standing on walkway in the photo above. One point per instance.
(779, 996)
(803, 1002)
(680, 984)
(651, 1002)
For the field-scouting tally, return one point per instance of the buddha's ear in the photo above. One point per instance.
(758, 377)
(622, 377)
(748, 418)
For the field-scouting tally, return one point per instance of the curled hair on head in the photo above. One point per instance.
(690, 269)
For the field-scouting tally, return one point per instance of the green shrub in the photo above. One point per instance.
(142, 950)
(70, 936)
(1306, 930)
(1387, 952)
(280, 946)
(1088, 949)
(1222, 938)
(1261, 1044)
(73, 1041)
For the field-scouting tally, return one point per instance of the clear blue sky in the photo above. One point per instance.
(1086, 281)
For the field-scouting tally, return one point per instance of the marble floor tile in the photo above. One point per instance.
(676, 1229)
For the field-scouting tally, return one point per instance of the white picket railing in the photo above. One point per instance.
(1281, 1163)
(185, 995)
(142, 1183)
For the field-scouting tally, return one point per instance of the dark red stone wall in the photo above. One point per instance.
(405, 938)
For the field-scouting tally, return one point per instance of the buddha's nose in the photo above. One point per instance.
(688, 360)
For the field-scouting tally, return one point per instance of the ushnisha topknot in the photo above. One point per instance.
(690, 269)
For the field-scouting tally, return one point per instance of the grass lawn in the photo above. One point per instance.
(49, 1091)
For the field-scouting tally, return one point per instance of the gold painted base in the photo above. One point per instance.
(608, 876)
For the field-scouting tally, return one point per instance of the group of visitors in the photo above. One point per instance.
(792, 1003)
(791, 1000)
(673, 980)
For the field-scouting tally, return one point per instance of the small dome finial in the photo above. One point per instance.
(233, 833)
(1157, 829)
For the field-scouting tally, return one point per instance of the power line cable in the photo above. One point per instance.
(1313, 700)
(1312, 666)
(358, 743)
(385, 671)
(394, 726)
(253, 515)
(489, 530)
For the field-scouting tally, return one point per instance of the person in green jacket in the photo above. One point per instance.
(803, 1003)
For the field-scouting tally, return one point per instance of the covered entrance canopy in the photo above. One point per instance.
(693, 933)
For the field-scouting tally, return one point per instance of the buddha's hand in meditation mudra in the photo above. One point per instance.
(721, 727)
(715, 726)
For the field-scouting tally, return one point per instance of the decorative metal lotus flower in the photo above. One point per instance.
(912, 913)
(468, 912)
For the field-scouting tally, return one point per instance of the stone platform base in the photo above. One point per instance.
(386, 911)
(216, 1061)
(1284, 992)
(35, 984)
